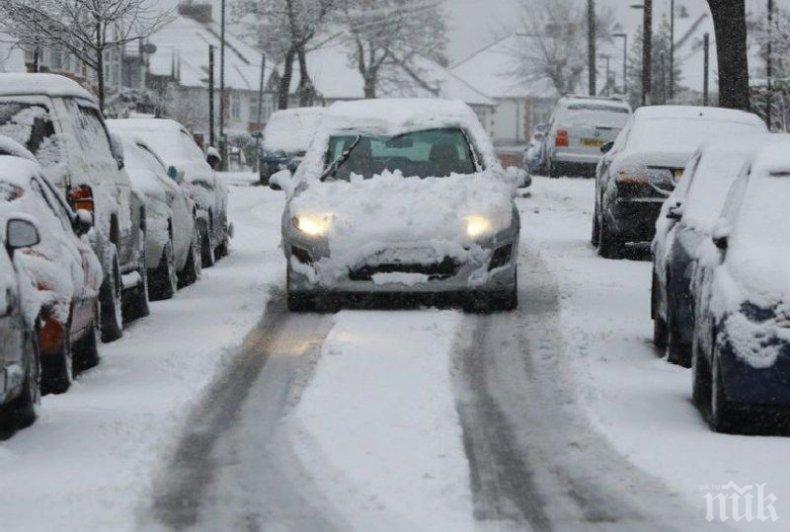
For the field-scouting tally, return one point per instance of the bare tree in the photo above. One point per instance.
(85, 28)
(555, 42)
(729, 21)
(285, 30)
(385, 36)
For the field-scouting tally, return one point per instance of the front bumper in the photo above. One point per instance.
(747, 385)
(634, 219)
(491, 271)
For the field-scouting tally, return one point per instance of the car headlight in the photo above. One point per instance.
(477, 226)
(311, 225)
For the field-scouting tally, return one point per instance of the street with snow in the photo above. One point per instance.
(227, 412)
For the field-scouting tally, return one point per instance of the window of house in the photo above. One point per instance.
(235, 107)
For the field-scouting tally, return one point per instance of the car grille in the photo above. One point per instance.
(445, 269)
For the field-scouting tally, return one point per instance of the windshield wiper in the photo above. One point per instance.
(341, 160)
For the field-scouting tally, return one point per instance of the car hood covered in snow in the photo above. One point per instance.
(366, 216)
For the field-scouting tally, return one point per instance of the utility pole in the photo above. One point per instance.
(624, 36)
(671, 49)
(607, 85)
(211, 138)
(259, 118)
(769, 67)
(591, 66)
(222, 140)
(647, 52)
(706, 75)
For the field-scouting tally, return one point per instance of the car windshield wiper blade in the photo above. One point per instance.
(341, 160)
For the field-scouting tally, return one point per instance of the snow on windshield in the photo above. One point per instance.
(31, 126)
(291, 131)
(435, 152)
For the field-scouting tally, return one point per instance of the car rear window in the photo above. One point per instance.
(594, 115)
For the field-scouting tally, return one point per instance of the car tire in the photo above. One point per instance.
(23, 409)
(301, 302)
(609, 246)
(194, 266)
(86, 350)
(111, 299)
(136, 304)
(57, 372)
(677, 353)
(163, 281)
(722, 415)
(659, 325)
(701, 380)
(594, 238)
(206, 249)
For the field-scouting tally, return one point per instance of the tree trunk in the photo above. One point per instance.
(370, 85)
(729, 21)
(305, 84)
(100, 64)
(285, 81)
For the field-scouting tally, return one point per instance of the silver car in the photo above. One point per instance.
(401, 197)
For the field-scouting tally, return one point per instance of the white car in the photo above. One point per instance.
(578, 128)
(172, 240)
(286, 138)
(187, 163)
(401, 197)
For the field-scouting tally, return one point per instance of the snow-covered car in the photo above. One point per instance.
(401, 196)
(61, 124)
(578, 127)
(187, 163)
(685, 221)
(286, 137)
(65, 269)
(741, 350)
(19, 307)
(641, 167)
(172, 246)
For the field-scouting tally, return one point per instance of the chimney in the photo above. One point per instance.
(201, 12)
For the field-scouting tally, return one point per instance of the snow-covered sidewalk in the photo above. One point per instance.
(639, 401)
(89, 461)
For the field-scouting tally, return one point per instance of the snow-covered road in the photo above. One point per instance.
(559, 415)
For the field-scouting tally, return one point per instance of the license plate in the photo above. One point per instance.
(592, 143)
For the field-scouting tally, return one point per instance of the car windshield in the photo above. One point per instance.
(428, 153)
(32, 127)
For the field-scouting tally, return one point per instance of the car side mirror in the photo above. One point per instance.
(675, 212)
(174, 174)
(116, 146)
(518, 176)
(83, 222)
(21, 233)
(281, 180)
(606, 148)
(213, 158)
(721, 235)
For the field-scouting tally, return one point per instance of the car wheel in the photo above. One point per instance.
(722, 415)
(677, 352)
(23, 408)
(194, 266)
(58, 371)
(206, 249)
(659, 325)
(609, 247)
(137, 305)
(595, 229)
(164, 279)
(301, 302)
(110, 298)
(701, 380)
(86, 350)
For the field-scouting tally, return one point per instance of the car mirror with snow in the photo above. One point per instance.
(606, 148)
(174, 174)
(518, 176)
(21, 233)
(281, 180)
(213, 158)
(83, 222)
(721, 234)
(675, 212)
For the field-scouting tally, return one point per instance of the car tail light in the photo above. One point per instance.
(81, 198)
(562, 139)
(51, 336)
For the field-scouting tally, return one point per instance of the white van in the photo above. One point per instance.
(62, 125)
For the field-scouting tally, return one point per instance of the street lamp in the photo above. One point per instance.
(624, 36)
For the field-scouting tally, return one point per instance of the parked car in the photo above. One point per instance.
(640, 168)
(286, 137)
(401, 197)
(187, 163)
(172, 246)
(578, 127)
(19, 354)
(61, 124)
(741, 350)
(685, 221)
(65, 269)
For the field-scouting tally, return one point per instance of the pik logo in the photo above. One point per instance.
(731, 502)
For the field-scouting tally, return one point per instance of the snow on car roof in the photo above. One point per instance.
(291, 130)
(47, 84)
(691, 111)
(143, 124)
(16, 170)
